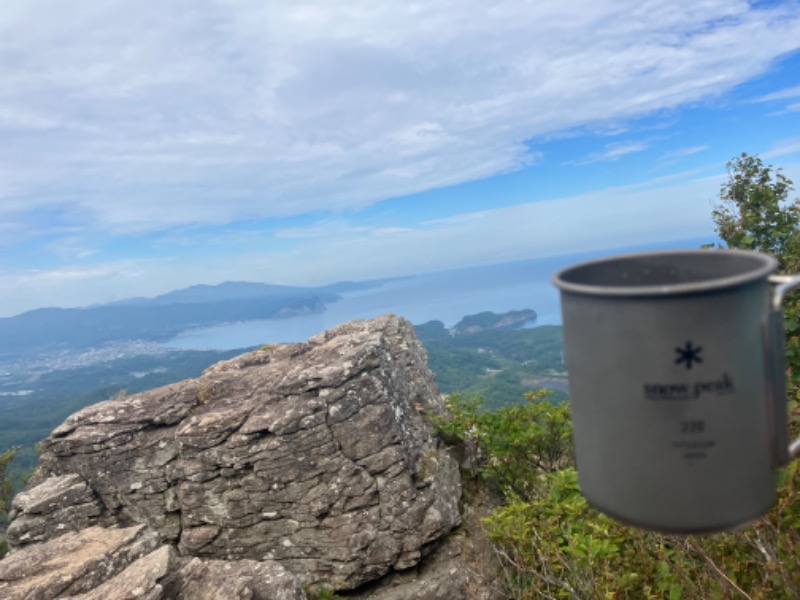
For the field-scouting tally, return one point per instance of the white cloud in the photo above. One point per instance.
(73, 285)
(337, 249)
(70, 248)
(676, 155)
(782, 148)
(611, 153)
(615, 217)
(133, 117)
(660, 211)
(656, 212)
(792, 92)
(784, 94)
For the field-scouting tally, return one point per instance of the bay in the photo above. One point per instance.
(445, 296)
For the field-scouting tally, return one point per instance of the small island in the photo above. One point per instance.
(483, 321)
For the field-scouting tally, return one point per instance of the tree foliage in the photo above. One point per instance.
(6, 489)
(755, 212)
(499, 365)
(557, 546)
(512, 444)
(6, 493)
(552, 544)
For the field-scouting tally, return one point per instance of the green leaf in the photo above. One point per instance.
(675, 591)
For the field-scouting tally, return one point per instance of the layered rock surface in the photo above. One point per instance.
(313, 459)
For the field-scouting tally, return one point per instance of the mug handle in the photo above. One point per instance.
(784, 451)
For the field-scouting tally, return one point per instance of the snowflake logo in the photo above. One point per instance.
(689, 354)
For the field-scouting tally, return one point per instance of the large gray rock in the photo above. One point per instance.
(233, 580)
(129, 564)
(56, 506)
(75, 563)
(141, 580)
(318, 456)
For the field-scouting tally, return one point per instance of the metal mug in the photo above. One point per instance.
(677, 381)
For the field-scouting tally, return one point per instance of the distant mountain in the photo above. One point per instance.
(342, 287)
(223, 292)
(161, 318)
(242, 290)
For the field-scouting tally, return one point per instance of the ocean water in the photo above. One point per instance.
(445, 296)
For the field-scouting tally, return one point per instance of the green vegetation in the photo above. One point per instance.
(499, 365)
(322, 593)
(6, 493)
(557, 546)
(552, 544)
(755, 213)
(516, 440)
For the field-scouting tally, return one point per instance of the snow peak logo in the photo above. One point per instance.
(689, 391)
(689, 354)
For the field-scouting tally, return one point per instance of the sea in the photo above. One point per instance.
(445, 296)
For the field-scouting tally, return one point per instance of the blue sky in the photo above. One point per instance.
(148, 146)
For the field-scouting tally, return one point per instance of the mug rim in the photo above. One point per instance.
(768, 265)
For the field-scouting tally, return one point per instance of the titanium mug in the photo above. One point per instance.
(677, 381)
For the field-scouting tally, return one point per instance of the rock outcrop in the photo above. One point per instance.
(131, 564)
(312, 461)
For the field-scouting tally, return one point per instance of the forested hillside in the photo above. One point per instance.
(500, 365)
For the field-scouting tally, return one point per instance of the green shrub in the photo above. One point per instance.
(514, 444)
(6, 492)
(321, 593)
(557, 546)
(552, 544)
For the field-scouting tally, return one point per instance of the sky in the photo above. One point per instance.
(147, 146)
